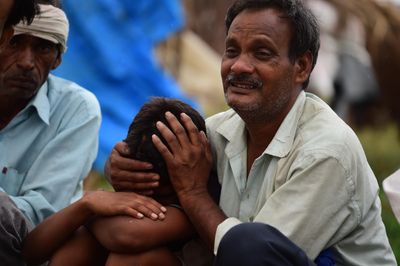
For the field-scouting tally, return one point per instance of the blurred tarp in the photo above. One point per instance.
(111, 53)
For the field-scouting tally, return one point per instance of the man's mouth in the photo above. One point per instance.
(22, 82)
(244, 81)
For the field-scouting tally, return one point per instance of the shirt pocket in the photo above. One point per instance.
(11, 181)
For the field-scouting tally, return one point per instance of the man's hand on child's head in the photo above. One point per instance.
(127, 174)
(188, 157)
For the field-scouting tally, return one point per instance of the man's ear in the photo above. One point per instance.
(8, 32)
(58, 61)
(303, 66)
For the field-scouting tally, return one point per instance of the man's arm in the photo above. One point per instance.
(124, 234)
(189, 165)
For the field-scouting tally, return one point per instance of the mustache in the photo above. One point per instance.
(23, 75)
(244, 78)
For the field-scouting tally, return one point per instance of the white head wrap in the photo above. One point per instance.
(50, 24)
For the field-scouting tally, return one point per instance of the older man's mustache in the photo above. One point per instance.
(244, 80)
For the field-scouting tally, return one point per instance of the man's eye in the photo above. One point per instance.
(263, 54)
(45, 48)
(231, 52)
(13, 42)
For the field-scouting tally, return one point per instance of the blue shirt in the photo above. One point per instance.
(49, 147)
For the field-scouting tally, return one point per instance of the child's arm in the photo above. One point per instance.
(48, 236)
(122, 234)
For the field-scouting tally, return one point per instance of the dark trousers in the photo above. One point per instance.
(14, 227)
(258, 244)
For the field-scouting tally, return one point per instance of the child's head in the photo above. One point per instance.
(144, 126)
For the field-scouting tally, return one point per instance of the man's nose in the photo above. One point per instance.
(26, 59)
(243, 64)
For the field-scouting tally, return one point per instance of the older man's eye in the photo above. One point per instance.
(263, 54)
(45, 48)
(231, 52)
(13, 42)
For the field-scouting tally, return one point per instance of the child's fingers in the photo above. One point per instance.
(134, 213)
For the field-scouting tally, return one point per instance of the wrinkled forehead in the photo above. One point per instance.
(268, 23)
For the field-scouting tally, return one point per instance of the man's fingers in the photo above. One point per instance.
(206, 145)
(177, 129)
(140, 177)
(128, 164)
(169, 136)
(138, 182)
(164, 151)
(145, 188)
(122, 148)
(191, 129)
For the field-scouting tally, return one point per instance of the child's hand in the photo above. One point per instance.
(106, 203)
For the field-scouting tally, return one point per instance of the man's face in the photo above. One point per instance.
(259, 80)
(25, 64)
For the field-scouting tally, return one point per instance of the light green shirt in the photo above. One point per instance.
(312, 182)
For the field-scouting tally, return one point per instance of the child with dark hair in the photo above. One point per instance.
(144, 127)
(111, 236)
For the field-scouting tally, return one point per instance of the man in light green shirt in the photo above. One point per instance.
(313, 183)
(294, 177)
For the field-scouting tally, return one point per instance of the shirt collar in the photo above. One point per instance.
(41, 103)
(283, 140)
(233, 129)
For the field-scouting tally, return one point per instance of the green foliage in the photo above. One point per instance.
(382, 147)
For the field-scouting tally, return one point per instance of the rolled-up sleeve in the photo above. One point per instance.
(222, 229)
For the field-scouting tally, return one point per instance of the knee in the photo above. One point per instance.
(247, 238)
(241, 245)
(257, 244)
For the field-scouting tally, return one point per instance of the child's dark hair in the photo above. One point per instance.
(144, 126)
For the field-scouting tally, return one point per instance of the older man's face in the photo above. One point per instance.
(260, 81)
(25, 64)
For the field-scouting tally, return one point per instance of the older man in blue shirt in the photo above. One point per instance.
(48, 130)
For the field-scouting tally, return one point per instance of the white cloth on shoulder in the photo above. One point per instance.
(391, 186)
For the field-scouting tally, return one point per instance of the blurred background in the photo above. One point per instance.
(127, 51)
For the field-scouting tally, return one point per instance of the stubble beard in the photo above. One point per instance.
(259, 112)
